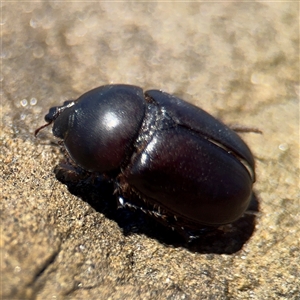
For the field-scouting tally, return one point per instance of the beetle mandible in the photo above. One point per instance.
(185, 166)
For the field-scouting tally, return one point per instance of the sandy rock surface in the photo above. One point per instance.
(238, 61)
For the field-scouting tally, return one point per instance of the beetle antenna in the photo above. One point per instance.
(40, 128)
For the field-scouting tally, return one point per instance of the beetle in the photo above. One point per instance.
(166, 156)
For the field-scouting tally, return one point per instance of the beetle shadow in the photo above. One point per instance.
(98, 193)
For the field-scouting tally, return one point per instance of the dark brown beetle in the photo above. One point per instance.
(165, 155)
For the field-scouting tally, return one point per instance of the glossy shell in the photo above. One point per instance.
(170, 154)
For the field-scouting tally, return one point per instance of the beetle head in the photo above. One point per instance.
(53, 114)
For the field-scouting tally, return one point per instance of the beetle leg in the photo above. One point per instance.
(245, 129)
